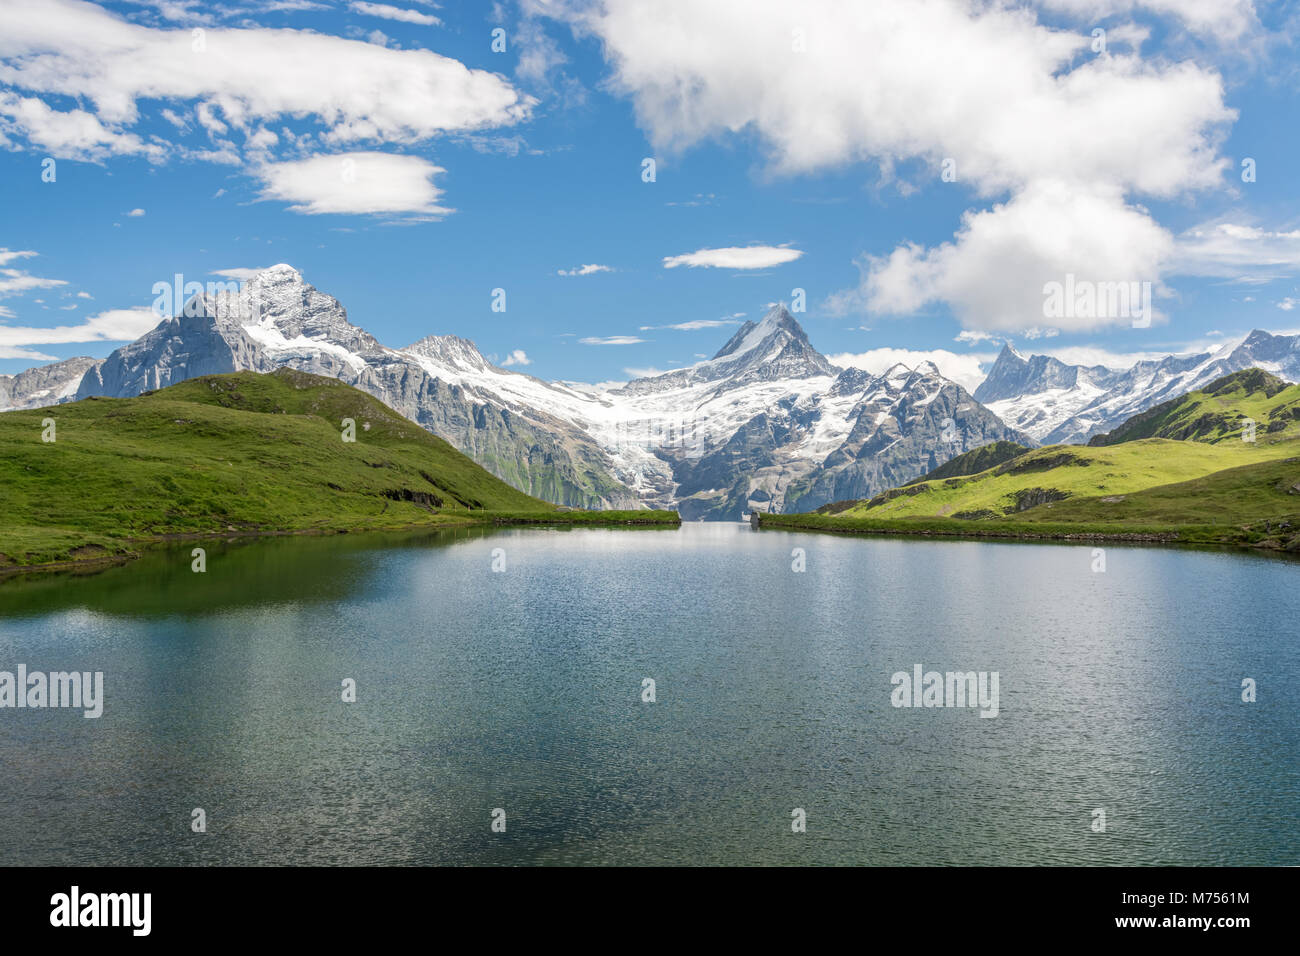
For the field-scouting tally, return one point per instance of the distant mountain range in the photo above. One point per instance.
(1069, 404)
(768, 423)
(1218, 465)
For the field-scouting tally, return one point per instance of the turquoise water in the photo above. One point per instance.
(522, 690)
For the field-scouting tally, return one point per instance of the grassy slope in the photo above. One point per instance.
(253, 453)
(1070, 470)
(1253, 505)
(1218, 412)
(1214, 489)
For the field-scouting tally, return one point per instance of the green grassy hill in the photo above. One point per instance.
(1059, 472)
(235, 453)
(1219, 412)
(1180, 471)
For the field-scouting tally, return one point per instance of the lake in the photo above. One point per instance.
(523, 690)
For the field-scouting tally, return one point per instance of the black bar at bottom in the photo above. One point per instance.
(945, 906)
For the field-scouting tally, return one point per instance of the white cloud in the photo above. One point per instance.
(735, 257)
(239, 274)
(650, 372)
(993, 272)
(84, 295)
(389, 12)
(31, 355)
(974, 337)
(966, 370)
(612, 340)
(693, 325)
(1024, 110)
(517, 357)
(136, 213)
(115, 325)
(18, 281)
(9, 255)
(359, 183)
(239, 80)
(1245, 253)
(1287, 304)
(584, 270)
(75, 134)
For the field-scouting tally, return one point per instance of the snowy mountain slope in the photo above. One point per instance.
(1059, 403)
(277, 319)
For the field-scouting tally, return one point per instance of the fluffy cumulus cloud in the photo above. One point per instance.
(584, 270)
(368, 183)
(74, 134)
(1026, 115)
(517, 357)
(994, 271)
(735, 257)
(229, 83)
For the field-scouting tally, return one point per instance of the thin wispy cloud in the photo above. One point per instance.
(694, 325)
(389, 12)
(115, 325)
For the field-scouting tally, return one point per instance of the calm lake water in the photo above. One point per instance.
(522, 690)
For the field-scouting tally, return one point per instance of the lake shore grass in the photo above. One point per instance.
(33, 549)
(1256, 537)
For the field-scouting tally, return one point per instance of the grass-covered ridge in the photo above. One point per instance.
(240, 453)
(1254, 505)
(1220, 412)
(1141, 482)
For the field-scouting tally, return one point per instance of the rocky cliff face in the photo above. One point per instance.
(45, 385)
(905, 423)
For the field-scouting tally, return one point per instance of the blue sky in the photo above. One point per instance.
(405, 167)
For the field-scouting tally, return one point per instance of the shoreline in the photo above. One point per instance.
(1172, 537)
(100, 557)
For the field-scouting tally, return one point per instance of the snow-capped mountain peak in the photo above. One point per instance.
(777, 328)
(452, 352)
